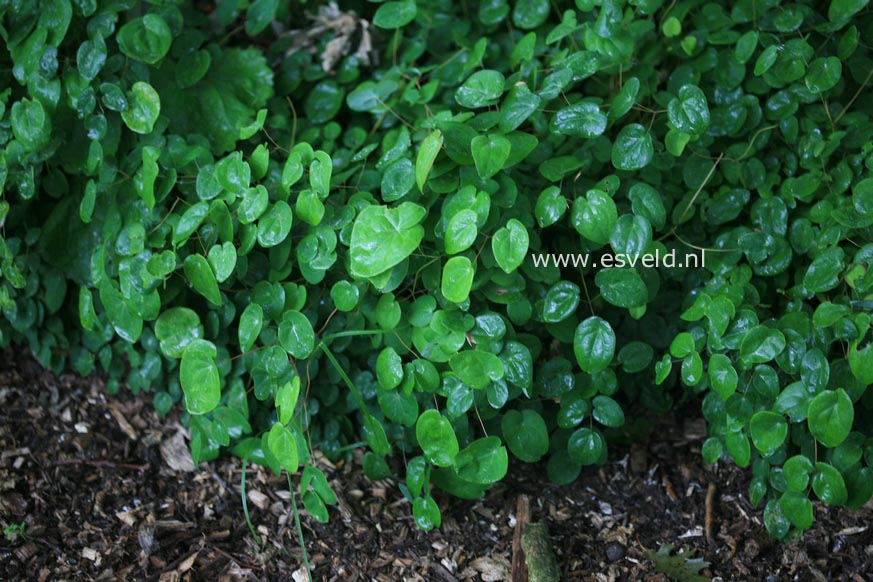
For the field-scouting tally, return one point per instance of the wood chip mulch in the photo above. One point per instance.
(97, 487)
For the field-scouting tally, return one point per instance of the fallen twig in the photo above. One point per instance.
(522, 518)
(101, 464)
(710, 501)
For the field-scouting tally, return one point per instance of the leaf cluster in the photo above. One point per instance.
(327, 240)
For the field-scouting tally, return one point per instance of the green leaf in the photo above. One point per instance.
(398, 406)
(457, 279)
(746, 46)
(823, 74)
(560, 302)
(275, 224)
(395, 14)
(796, 471)
(510, 245)
(583, 119)
(481, 89)
(689, 112)
(529, 14)
(761, 344)
(830, 417)
(397, 180)
(176, 328)
(250, 323)
(200, 275)
(711, 450)
(426, 513)
(841, 11)
(286, 399)
(823, 273)
(126, 322)
(91, 57)
(490, 153)
(829, 485)
(144, 106)
(296, 335)
(427, 154)
(375, 436)
(199, 377)
(476, 368)
(738, 448)
(595, 216)
(633, 149)
(862, 196)
(797, 509)
(518, 106)
(631, 237)
(587, 446)
(190, 221)
(861, 362)
(526, 434)
(672, 27)
(462, 231)
(383, 237)
(259, 16)
(484, 461)
(320, 171)
(607, 411)
(622, 287)
(647, 203)
(30, 124)
(147, 38)
(594, 344)
(436, 438)
(254, 203)
(722, 376)
(222, 259)
(550, 206)
(624, 100)
(768, 430)
(389, 369)
(283, 445)
(345, 295)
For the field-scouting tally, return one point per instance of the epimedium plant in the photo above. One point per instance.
(312, 226)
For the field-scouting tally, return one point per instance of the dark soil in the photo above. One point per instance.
(90, 478)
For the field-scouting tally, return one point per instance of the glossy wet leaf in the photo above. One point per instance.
(427, 153)
(436, 438)
(688, 111)
(147, 38)
(595, 216)
(395, 14)
(202, 278)
(510, 245)
(383, 237)
(481, 89)
(457, 279)
(768, 430)
(199, 377)
(830, 417)
(525, 434)
(176, 328)
(633, 149)
(594, 344)
(490, 153)
(144, 106)
(283, 445)
(584, 119)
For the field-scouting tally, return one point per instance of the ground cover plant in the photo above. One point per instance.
(312, 225)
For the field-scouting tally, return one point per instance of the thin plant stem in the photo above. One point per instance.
(299, 527)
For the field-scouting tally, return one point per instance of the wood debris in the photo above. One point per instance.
(351, 36)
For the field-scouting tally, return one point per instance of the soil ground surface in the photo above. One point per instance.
(105, 490)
